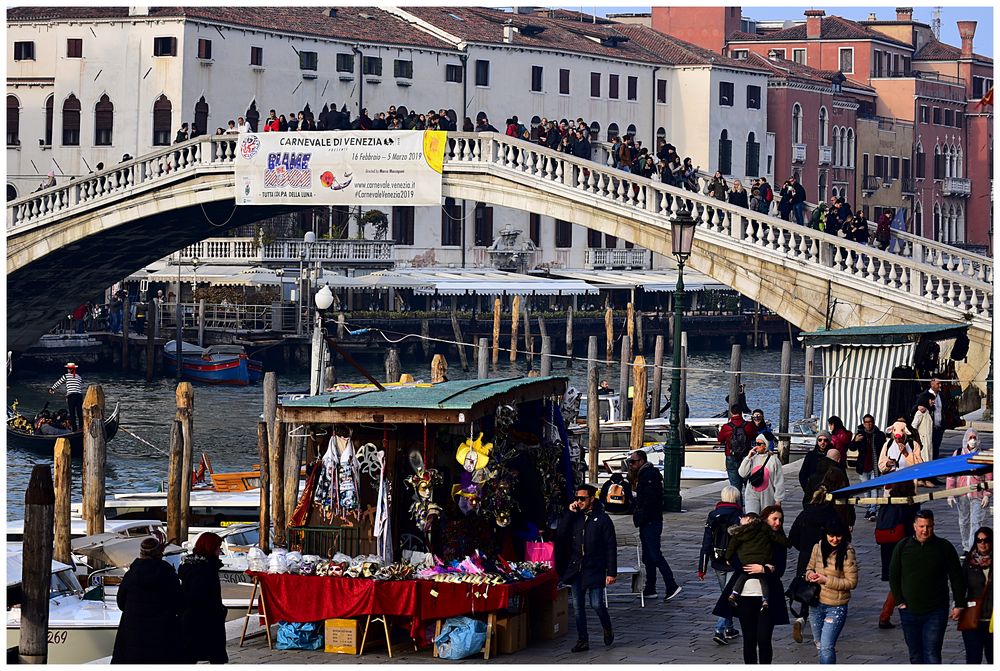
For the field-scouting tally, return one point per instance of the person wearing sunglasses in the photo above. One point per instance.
(974, 506)
(868, 441)
(587, 560)
(920, 573)
(978, 569)
(762, 472)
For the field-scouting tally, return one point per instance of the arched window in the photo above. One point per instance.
(661, 133)
(11, 192)
(959, 223)
(71, 122)
(797, 123)
(162, 121)
(959, 165)
(49, 107)
(595, 131)
(631, 130)
(104, 121)
(835, 157)
(200, 118)
(918, 218)
(938, 232)
(849, 157)
(253, 116)
(822, 187)
(13, 122)
(612, 131)
(823, 127)
(753, 156)
(725, 153)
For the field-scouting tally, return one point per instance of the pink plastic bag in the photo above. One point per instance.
(540, 552)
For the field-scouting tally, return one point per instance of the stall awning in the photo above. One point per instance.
(210, 274)
(882, 335)
(961, 464)
(462, 281)
(647, 280)
(858, 378)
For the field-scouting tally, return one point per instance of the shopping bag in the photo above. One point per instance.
(540, 552)
(461, 637)
(299, 636)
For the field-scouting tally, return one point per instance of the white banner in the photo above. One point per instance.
(340, 168)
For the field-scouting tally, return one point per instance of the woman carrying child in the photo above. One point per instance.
(833, 565)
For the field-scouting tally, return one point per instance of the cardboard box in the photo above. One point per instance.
(550, 619)
(511, 633)
(342, 636)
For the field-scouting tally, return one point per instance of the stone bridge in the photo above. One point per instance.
(85, 235)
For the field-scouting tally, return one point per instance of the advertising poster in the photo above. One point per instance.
(340, 168)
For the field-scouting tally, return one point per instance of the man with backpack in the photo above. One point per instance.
(647, 515)
(727, 513)
(766, 195)
(737, 435)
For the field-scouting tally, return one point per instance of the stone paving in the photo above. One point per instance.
(681, 631)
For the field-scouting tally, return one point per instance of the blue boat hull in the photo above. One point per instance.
(234, 371)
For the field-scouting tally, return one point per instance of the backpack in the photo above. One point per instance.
(616, 494)
(738, 443)
(768, 195)
(720, 538)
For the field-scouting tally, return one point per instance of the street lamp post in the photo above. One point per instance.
(322, 301)
(682, 228)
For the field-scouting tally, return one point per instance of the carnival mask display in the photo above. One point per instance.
(474, 454)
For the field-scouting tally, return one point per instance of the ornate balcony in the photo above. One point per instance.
(956, 186)
(239, 251)
(798, 153)
(825, 155)
(610, 259)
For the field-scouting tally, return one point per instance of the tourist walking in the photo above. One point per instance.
(587, 560)
(737, 435)
(974, 506)
(811, 463)
(757, 623)
(203, 617)
(840, 437)
(765, 481)
(806, 532)
(727, 513)
(921, 570)
(932, 401)
(978, 571)
(867, 442)
(74, 395)
(893, 523)
(647, 515)
(832, 565)
(150, 598)
(798, 200)
(762, 427)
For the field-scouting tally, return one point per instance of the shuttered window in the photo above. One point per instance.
(104, 121)
(71, 122)
(161, 121)
(13, 121)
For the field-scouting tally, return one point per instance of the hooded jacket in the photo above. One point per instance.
(150, 600)
(724, 515)
(587, 548)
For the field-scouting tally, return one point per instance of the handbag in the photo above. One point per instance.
(756, 478)
(970, 617)
(891, 535)
(802, 591)
(540, 552)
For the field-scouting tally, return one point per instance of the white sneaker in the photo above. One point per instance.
(673, 594)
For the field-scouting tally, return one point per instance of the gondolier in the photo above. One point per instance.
(74, 395)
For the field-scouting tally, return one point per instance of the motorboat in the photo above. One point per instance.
(21, 436)
(217, 364)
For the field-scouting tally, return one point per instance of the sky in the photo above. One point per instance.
(775, 9)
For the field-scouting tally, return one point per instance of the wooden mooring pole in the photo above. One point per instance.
(569, 332)
(36, 570)
(425, 338)
(392, 365)
(263, 455)
(735, 367)
(784, 398)
(277, 457)
(439, 368)
(496, 332)
(483, 359)
(546, 356)
(61, 462)
(609, 331)
(515, 320)
(638, 404)
(810, 380)
(185, 415)
(150, 345)
(126, 324)
(457, 331)
(623, 379)
(175, 475)
(94, 459)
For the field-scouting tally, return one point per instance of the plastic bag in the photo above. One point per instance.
(299, 636)
(257, 560)
(461, 637)
(540, 552)
(277, 563)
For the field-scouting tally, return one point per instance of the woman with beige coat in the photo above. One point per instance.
(834, 566)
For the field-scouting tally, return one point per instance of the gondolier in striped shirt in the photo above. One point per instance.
(74, 395)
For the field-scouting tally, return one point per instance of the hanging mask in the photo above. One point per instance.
(473, 454)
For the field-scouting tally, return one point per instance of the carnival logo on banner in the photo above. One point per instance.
(288, 170)
(249, 146)
(330, 181)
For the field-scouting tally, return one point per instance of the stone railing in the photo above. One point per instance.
(614, 258)
(222, 250)
(331, 251)
(919, 275)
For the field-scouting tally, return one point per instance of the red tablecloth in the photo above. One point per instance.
(298, 598)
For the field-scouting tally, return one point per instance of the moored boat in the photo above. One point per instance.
(45, 444)
(218, 364)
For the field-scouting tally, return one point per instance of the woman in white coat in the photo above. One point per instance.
(769, 489)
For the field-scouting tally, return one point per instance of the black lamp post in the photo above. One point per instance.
(682, 228)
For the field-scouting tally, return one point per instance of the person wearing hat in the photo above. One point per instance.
(203, 617)
(150, 599)
(74, 395)
(811, 463)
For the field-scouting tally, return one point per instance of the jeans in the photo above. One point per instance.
(723, 623)
(924, 634)
(971, 516)
(596, 599)
(732, 470)
(757, 631)
(800, 213)
(872, 508)
(978, 644)
(653, 559)
(827, 622)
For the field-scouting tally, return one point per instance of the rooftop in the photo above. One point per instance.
(831, 28)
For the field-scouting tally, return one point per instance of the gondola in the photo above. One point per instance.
(46, 444)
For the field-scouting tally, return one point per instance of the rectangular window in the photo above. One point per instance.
(980, 86)
(905, 168)
(257, 56)
(403, 69)
(453, 73)
(919, 161)
(13, 123)
(205, 49)
(308, 60)
(535, 228)
(936, 116)
(776, 53)
(726, 94)
(740, 54)
(594, 239)
(74, 48)
(564, 82)
(864, 165)
(71, 128)
(939, 166)
(402, 225)
(753, 97)
(661, 90)
(345, 63)
(633, 88)
(949, 117)
(894, 167)
(564, 234)
(451, 224)
(484, 225)
(876, 63)
(24, 51)
(536, 78)
(958, 119)
(847, 60)
(799, 56)
(595, 84)
(164, 46)
(613, 87)
(925, 116)
(482, 73)
(371, 65)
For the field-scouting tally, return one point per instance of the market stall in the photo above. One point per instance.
(420, 502)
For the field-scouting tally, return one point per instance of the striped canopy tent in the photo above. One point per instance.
(858, 363)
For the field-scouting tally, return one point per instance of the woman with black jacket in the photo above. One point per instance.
(203, 619)
(150, 599)
(977, 567)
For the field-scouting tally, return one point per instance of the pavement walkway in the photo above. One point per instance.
(681, 630)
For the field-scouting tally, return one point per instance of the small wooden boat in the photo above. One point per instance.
(46, 444)
(218, 364)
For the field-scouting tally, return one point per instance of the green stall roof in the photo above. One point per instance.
(452, 402)
(883, 335)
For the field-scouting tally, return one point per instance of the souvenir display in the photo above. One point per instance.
(422, 482)
(473, 454)
(337, 487)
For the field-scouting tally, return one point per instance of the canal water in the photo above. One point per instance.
(225, 420)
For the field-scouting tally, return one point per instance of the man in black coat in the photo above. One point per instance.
(587, 560)
(647, 515)
(150, 599)
(811, 463)
(868, 441)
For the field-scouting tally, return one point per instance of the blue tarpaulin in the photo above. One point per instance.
(958, 465)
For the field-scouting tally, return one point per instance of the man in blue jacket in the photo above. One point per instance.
(587, 560)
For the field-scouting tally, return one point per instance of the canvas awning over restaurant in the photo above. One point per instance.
(647, 280)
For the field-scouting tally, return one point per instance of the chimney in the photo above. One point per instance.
(872, 17)
(814, 23)
(508, 32)
(138, 11)
(967, 30)
(904, 14)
